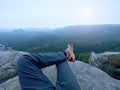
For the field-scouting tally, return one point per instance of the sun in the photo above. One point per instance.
(87, 14)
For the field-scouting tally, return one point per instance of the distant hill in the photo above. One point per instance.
(86, 38)
(19, 30)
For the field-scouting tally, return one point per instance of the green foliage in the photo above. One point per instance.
(83, 57)
(114, 59)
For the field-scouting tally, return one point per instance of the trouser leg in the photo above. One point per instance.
(65, 78)
(29, 70)
(31, 77)
(47, 59)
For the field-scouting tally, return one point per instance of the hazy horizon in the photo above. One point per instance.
(48, 28)
(55, 14)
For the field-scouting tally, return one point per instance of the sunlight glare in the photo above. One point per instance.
(87, 13)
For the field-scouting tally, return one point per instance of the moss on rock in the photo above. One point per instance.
(114, 59)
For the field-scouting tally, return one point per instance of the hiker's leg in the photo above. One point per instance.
(29, 70)
(65, 78)
(30, 75)
(47, 59)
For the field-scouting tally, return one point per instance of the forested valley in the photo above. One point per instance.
(86, 39)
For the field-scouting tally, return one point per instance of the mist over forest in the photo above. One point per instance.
(85, 38)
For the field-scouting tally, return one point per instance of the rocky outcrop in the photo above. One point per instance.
(89, 78)
(11, 84)
(8, 58)
(108, 62)
(3, 48)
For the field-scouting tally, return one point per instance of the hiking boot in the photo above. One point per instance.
(69, 50)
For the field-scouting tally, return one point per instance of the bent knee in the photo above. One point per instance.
(22, 61)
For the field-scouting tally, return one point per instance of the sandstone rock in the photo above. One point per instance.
(12, 84)
(108, 62)
(89, 78)
(3, 48)
(8, 60)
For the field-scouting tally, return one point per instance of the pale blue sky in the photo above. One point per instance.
(57, 13)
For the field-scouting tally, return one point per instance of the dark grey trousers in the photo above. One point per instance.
(32, 78)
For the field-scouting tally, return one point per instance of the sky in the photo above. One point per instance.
(57, 13)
